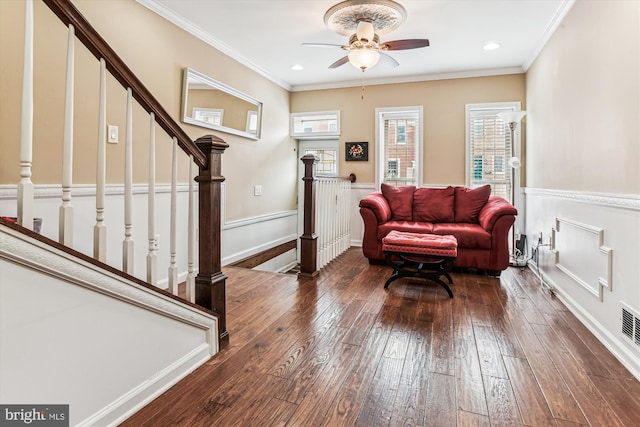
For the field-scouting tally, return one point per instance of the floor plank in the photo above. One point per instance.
(340, 350)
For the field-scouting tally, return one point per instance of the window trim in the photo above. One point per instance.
(390, 111)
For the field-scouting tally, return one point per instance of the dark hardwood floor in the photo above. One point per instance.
(340, 350)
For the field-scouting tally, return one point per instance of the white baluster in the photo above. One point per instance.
(152, 256)
(65, 229)
(25, 186)
(127, 244)
(328, 219)
(346, 203)
(335, 220)
(340, 215)
(191, 277)
(347, 216)
(173, 269)
(323, 224)
(100, 229)
(320, 206)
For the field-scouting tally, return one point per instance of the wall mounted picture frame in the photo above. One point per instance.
(356, 151)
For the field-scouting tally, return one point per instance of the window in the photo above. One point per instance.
(392, 168)
(489, 148)
(328, 163)
(399, 145)
(314, 125)
(401, 135)
(210, 115)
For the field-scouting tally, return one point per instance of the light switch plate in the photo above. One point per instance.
(257, 190)
(112, 134)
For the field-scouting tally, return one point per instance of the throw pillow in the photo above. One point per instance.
(433, 204)
(469, 202)
(400, 201)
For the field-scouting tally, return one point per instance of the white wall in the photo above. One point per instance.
(73, 334)
(594, 264)
(249, 236)
(358, 191)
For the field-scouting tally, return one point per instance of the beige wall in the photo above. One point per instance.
(157, 52)
(583, 102)
(443, 104)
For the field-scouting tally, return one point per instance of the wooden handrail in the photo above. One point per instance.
(351, 178)
(69, 15)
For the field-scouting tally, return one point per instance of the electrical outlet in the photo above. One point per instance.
(257, 190)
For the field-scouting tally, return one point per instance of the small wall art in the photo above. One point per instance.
(356, 151)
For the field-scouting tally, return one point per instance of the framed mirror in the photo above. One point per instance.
(208, 103)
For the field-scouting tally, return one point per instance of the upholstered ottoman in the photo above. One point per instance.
(425, 256)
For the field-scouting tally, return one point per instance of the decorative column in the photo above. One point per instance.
(210, 286)
(309, 239)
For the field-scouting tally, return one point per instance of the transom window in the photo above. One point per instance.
(314, 125)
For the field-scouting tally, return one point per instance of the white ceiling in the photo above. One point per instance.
(267, 35)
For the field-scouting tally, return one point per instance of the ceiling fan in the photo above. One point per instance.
(363, 20)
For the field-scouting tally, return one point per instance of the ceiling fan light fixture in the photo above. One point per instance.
(365, 31)
(364, 58)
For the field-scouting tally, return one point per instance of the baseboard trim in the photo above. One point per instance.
(131, 402)
(265, 255)
(628, 359)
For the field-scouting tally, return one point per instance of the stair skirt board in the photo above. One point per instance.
(135, 341)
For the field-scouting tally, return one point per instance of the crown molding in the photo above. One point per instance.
(548, 32)
(411, 79)
(199, 33)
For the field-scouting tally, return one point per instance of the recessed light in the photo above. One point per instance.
(297, 67)
(491, 46)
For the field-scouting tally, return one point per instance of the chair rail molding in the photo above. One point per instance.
(624, 201)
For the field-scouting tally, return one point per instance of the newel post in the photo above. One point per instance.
(309, 239)
(210, 283)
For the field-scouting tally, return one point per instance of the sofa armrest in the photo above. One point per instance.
(495, 208)
(378, 204)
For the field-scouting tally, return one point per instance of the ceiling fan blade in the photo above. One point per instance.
(389, 60)
(321, 45)
(340, 62)
(405, 44)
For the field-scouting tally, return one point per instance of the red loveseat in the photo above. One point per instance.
(480, 222)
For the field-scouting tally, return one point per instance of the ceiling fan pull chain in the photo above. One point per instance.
(362, 94)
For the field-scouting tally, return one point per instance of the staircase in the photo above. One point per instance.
(85, 320)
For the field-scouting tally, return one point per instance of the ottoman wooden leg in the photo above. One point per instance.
(423, 269)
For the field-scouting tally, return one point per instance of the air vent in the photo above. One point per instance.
(627, 323)
(631, 324)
